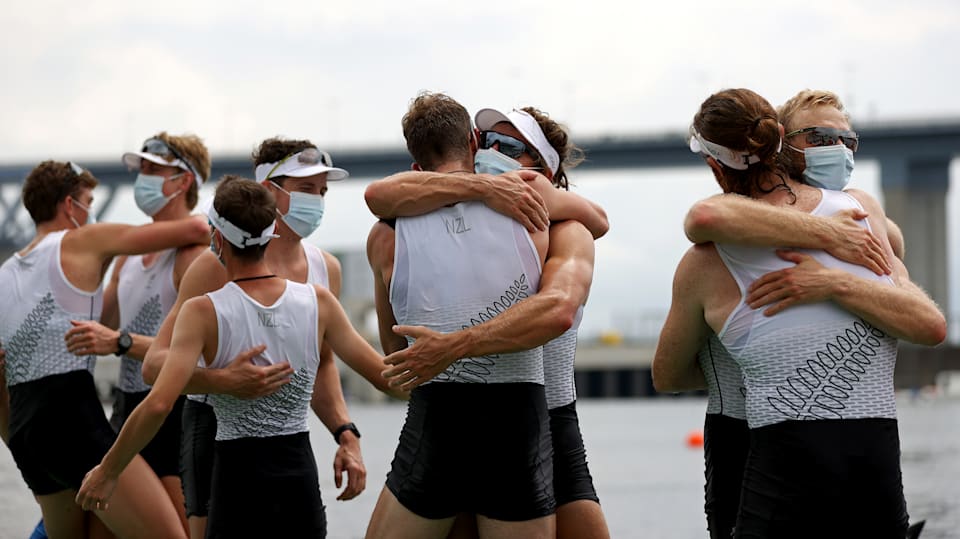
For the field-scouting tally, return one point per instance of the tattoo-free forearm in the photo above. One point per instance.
(741, 220)
(416, 192)
(904, 311)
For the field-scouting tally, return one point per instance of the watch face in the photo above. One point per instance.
(124, 342)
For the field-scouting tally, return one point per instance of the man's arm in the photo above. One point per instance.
(349, 345)
(327, 399)
(684, 332)
(567, 206)
(524, 195)
(903, 310)
(731, 218)
(895, 235)
(380, 246)
(241, 378)
(106, 240)
(192, 328)
(331, 408)
(417, 192)
(564, 286)
(89, 336)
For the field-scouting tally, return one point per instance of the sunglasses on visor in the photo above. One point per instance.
(828, 136)
(507, 145)
(307, 156)
(161, 148)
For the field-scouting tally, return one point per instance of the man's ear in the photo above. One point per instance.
(190, 178)
(474, 140)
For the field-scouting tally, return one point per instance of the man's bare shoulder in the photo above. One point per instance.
(380, 242)
(205, 274)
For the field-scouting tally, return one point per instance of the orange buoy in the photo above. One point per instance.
(695, 439)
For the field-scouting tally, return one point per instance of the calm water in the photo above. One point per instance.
(650, 483)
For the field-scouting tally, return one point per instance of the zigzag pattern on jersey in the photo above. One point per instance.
(483, 369)
(37, 350)
(848, 376)
(281, 413)
(21, 347)
(147, 322)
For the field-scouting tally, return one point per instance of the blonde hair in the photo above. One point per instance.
(793, 162)
(805, 100)
(192, 149)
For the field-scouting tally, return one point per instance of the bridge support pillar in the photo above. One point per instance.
(915, 192)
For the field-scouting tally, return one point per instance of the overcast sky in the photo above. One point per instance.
(90, 79)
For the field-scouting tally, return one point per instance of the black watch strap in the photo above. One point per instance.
(124, 342)
(343, 428)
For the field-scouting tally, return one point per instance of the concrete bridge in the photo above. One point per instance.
(914, 158)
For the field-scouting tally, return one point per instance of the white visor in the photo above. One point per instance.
(731, 158)
(132, 161)
(527, 126)
(301, 164)
(237, 236)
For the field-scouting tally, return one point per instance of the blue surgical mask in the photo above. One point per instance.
(91, 219)
(828, 167)
(491, 161)
(304, 213)
(148, 193)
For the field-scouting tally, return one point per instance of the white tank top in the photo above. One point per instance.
(558, 359)
(813, 361)
(39, 305)
(289, 330)
(457, 267)
(316, 265)
(726, 394)
(145, 296)
(316, 274)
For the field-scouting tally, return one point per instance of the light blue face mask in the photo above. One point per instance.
(304, 213)
(91, 219)
(491, 161)
(828, 167)
(148, 193)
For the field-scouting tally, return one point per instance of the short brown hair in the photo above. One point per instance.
(274, 149)
(743, 121)
(192, 149)
(437, 129)
(248, 205)
(48, 184)
(558, 137)
(793, 162)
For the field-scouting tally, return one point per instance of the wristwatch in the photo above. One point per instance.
(343, 428)
(124, 342)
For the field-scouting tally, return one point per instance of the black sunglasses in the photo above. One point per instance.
(828, 136)
(161, 148)
(507, 145)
